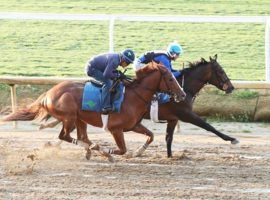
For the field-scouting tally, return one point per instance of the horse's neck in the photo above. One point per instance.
(146, 88)
(193, 85)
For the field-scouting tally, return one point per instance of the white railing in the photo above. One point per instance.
(151, 18)
(13, 81)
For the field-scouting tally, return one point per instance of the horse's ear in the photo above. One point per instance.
(203, 60)
(213, 59)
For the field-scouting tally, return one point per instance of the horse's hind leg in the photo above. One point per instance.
(83, 138)
(49, 125)
(139, 128)
(68, 127)
(120, 142)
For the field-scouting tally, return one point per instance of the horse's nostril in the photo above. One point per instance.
(229, 90)
(183, 96)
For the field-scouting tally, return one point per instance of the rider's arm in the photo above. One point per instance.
(110, 71)
(165, 61)
(176, 73)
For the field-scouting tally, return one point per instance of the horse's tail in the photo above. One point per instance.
(35, 111)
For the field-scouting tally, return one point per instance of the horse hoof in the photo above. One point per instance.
(111, 159)
(235, 141)
(88, 155)
(48, 144)
(129, 155)
(137, 154)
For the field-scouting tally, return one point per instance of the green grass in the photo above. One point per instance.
(61, 48)
(240, 117)
(246, 94)
(171, 7)
(49, 48)
(239, 94)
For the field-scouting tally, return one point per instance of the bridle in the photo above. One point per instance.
(216, 71)
(219, 74)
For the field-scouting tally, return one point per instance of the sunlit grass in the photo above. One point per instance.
(61, 48)
(164, 7)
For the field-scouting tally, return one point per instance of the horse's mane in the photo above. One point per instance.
(144, 72)
(197, 63)
(194, 65)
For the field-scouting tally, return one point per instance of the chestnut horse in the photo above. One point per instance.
(193, 79)
(64, 102)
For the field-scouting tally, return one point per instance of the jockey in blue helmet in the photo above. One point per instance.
(174, 50)
(103, 68)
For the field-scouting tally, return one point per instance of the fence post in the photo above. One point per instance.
(13, 101)
(111, 28)
(267, 51)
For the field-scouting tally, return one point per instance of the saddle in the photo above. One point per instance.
(92, 91)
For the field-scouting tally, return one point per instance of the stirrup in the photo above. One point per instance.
(107, 110)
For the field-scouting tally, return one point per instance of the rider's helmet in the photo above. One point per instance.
(174, 49)
(128, 56)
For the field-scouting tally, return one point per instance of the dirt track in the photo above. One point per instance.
(203, 167)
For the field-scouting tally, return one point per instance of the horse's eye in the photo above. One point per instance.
(171, 79)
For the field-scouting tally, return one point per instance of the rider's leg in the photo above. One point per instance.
(105, 97)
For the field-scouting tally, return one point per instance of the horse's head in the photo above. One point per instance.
(167, 82)
(206, 72)
(218, 76)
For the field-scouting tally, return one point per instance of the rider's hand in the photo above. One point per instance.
(120, 75)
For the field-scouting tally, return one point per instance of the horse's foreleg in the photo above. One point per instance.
(192, 118)
(83, 139)
(139, 128)
(169, 136)
(120, 142)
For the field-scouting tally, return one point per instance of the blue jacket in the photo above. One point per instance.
(163, 59)
(106, 63)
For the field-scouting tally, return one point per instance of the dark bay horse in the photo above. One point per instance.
(193, 79)
(64, 101)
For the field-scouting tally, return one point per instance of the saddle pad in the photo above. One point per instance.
(91, 100)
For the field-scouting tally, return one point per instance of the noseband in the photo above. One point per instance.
(219, 73)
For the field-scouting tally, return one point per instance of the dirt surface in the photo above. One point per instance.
(203, 167)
